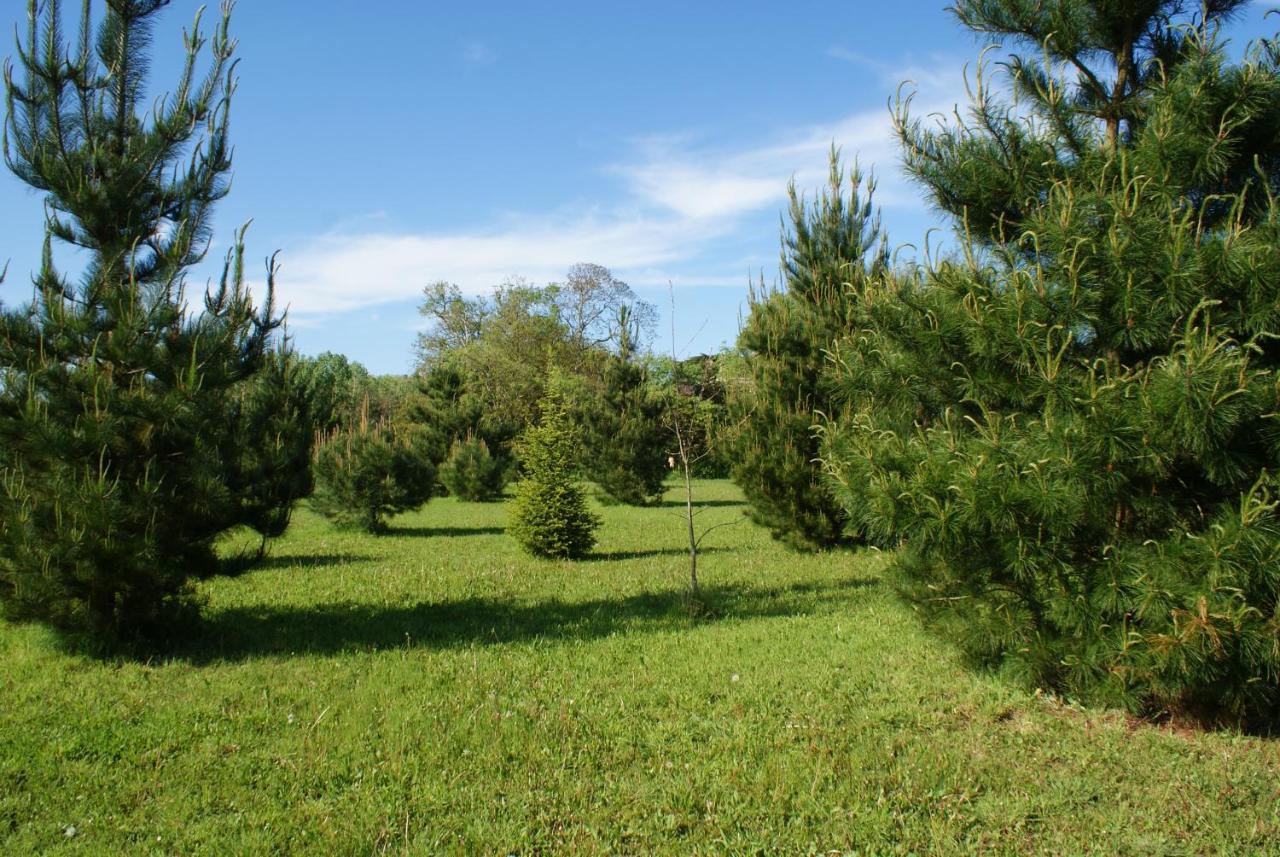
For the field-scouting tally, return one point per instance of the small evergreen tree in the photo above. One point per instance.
(1073, 429)
(472, 474)
(122, 466)
(783, 345)
(549, 516)
(268, 450)
(446, 399)
(370, 471)
(622, 422)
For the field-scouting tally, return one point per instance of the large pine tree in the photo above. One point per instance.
(1072, 427)
(832, 242)
(116, 397)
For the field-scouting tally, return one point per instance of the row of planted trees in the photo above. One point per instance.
(1068, 426)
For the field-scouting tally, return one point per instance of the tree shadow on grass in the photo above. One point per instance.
(245, 633)
(619, 556)
(430, 532)
(710, 504)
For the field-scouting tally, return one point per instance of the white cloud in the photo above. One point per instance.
(341, 271)
(679, 193)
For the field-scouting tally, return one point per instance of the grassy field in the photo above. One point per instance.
(435, 691)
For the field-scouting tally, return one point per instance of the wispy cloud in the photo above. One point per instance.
(340, 271)
(478, 53)
(677, 194)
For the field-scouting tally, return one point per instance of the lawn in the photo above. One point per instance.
(434, 691)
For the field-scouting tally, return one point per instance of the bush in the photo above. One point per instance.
(472, 474)
(368, 472)
(549, 516)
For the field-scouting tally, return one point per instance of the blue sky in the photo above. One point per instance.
(382, 146)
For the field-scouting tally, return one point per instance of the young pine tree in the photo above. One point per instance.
(269, 448)
(623, 425)
(369, 471)
(472, 474)
(114, 394)
(549, 516)
(784, 344)
(445, 398)
(1073, 429)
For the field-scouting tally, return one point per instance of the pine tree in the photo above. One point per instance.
(783, 345)
(447, 401)
(123, 467)
(549, 516)
(622, 422)
(268, 451)
(472, 473)
(371, 470)
(1073, 428)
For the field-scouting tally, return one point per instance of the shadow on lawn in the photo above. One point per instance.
(253, 632)
(710, 504)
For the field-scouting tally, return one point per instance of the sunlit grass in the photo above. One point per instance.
(436, 691)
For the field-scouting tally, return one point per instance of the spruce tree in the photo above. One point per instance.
(1073, 427)
(549, 516)
(123, 466)
(784, 344)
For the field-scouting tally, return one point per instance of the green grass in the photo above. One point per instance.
(435, 691)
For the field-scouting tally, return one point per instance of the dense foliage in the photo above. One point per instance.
(447, 400)
(471, 473)
(700, 394)
(625, 439)
(1073, 429)
(507, 346)
(335, 391)
(549, 516)
(273, 423)
(781, 395)
(370, 471)
(486, 362)
(133, 436)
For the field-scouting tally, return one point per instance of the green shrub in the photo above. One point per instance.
(368, 472)
(472, 474)
(549, 516)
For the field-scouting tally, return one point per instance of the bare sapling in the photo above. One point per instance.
(683, 458)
